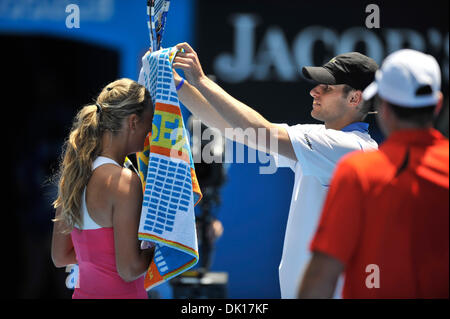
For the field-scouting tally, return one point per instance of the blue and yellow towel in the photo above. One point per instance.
(166, 167)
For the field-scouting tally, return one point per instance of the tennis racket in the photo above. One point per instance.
(157, 12)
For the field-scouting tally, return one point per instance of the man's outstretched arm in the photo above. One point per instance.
(232, 111)
(199, 106)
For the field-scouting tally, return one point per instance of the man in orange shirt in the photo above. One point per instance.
(385, 222)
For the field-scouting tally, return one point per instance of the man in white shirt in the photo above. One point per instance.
(311, 151)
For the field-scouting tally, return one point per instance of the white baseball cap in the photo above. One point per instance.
(407, 78)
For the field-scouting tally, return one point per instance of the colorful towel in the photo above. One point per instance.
(166, 167)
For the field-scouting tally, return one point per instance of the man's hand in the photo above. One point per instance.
(188, 62)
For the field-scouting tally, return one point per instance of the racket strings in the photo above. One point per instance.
(157, 11)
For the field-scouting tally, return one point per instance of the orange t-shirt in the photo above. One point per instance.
(390, 208)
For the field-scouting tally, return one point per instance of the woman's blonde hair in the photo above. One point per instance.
(116, 102)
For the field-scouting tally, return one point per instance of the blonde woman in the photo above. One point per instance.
(99, 201)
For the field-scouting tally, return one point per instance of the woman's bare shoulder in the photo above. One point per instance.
(118, 181)
(123, 182)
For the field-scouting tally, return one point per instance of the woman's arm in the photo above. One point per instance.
(131, 261)
(63, 253)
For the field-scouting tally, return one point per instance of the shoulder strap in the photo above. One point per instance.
(88, 222)
(102, 160)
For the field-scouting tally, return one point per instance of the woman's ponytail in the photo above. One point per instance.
(80, 150)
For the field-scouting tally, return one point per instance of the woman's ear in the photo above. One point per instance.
(133, 119)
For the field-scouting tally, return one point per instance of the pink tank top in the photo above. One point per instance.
(94, 248)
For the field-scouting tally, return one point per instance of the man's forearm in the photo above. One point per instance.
(234, 112)
(237, 115)
(200, 107)
(197, 104)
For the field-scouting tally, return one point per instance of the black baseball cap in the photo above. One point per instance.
(353, 68)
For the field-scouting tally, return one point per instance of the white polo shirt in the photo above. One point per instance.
(318, 150)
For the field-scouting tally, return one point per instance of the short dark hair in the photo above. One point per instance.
(347, 89)
(365, 107)
(421, 116)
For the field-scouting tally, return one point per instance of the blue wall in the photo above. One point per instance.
(117, 24)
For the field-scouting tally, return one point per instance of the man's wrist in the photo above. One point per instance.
(180, 84)
(202, 82)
